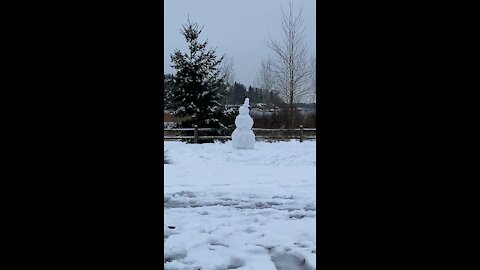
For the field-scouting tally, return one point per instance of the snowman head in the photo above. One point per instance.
(246, 102)
(244, 108)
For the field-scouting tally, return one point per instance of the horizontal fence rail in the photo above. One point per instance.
(260, 133)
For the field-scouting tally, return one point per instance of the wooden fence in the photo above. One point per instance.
(260, 133)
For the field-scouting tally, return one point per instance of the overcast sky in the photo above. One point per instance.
(237, 28)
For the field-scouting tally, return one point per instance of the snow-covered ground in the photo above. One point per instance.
(227, 208)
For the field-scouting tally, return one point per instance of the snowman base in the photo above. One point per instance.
(243, 139)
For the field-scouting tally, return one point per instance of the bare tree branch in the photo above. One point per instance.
(227, 72)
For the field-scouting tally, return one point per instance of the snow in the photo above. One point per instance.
(227, 208)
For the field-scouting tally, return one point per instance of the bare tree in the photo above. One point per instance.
(265, 79)
(227, 72)
(290, 67)
(228, 75)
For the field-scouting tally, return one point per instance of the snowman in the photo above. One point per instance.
(242, 136)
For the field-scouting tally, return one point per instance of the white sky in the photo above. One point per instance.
(237, 28)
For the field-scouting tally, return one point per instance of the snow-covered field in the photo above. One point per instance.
(227, 208)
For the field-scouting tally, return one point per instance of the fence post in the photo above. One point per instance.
(301, 133)
(195, 134)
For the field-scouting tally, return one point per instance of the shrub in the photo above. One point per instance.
(165, 158)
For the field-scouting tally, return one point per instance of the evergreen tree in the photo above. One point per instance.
(167, 91)
(257, 96)
(197, 85)
(237, 95)
(251, 95)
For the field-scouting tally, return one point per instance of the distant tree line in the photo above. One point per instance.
(239, 92)
(234, 95)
